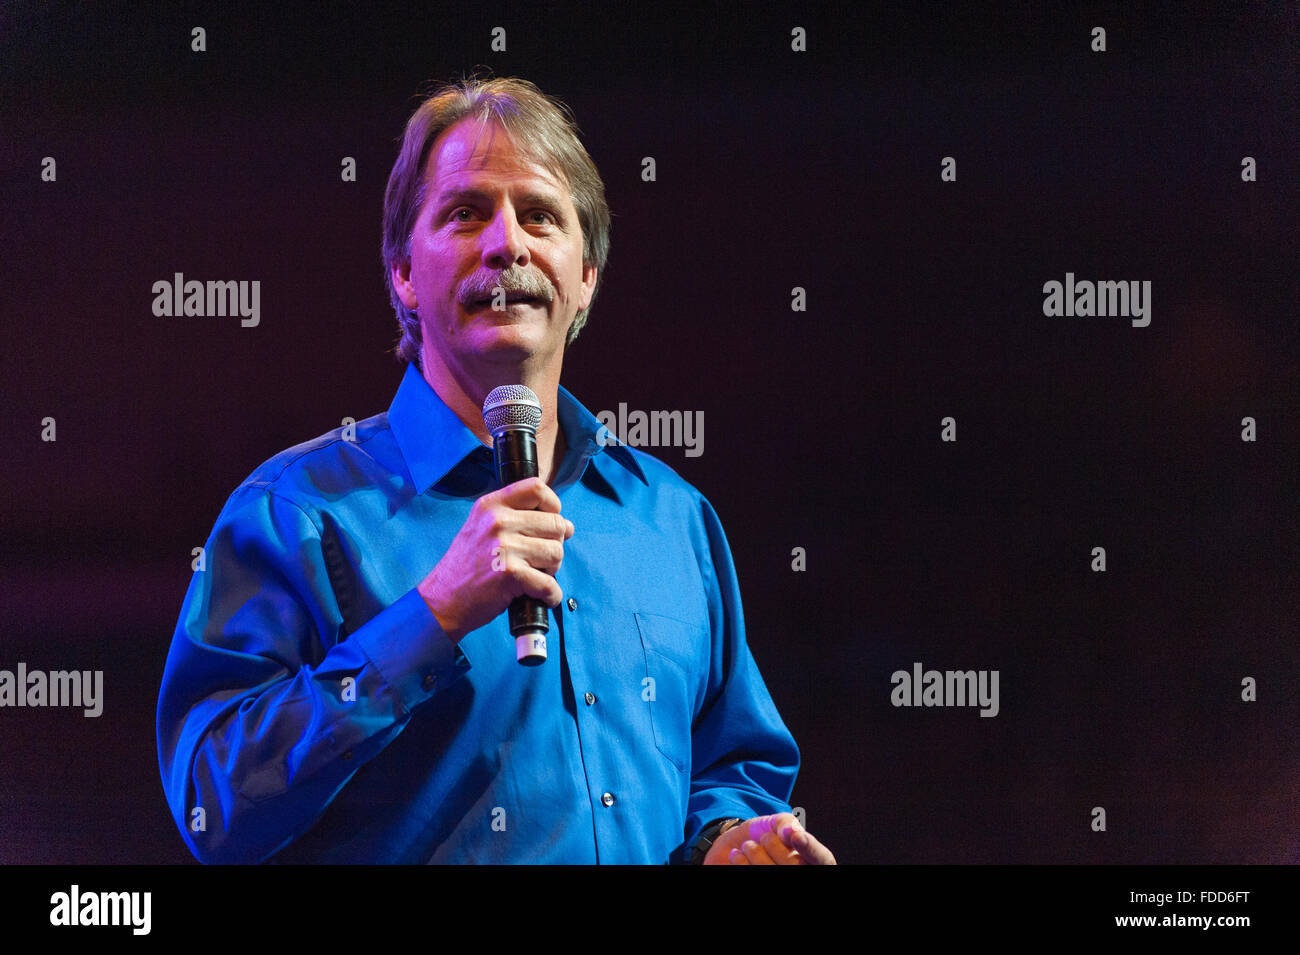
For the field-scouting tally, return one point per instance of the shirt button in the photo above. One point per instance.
(347, 755)
(573, 604)
(591, 698)
(428, 681)
(607, 799)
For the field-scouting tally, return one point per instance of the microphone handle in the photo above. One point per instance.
(514, 452)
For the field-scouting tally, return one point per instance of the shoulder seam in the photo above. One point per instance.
(269, 483)
(271, 492)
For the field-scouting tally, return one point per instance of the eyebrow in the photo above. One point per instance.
(479, 195)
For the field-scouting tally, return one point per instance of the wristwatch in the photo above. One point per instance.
(709, 836)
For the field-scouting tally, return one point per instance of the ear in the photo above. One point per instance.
(401, 273)
(589, 273)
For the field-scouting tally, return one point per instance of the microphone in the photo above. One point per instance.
(511, 415)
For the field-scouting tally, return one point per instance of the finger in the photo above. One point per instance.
(538, 585)
(773, 823)
(528, 495)
(540, 553)
(785, 825)
(737, 858)
(755, 853)
(537, 524)
(812, 851)
(778, 851)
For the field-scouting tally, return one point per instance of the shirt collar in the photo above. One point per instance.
(434, 441)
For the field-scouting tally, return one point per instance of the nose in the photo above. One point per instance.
(504, 241)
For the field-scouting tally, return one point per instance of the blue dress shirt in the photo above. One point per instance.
(312, 709)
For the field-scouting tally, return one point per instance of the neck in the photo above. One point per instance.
(465, 394)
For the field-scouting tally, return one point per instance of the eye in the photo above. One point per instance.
(546, 216)
(457, 211)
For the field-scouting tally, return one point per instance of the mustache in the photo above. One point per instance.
(516, 280)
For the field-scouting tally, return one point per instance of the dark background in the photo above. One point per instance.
(775, 169)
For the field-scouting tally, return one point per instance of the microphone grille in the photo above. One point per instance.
(511, 406)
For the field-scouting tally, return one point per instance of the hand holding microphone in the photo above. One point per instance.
(511, 544)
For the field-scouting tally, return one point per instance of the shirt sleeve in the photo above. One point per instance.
(745, 760)
(267, 707)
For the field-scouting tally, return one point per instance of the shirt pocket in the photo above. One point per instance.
(676, 663)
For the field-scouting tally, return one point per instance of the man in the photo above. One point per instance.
(342, 685)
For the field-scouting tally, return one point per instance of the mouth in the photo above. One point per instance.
(513, 303)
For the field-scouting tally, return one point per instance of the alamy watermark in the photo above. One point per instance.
(923, 687)
(179, 297)
(1105, 299)
(84, 688)
(75, 907)
(653, 429)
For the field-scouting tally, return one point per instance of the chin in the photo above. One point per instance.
(509, 341)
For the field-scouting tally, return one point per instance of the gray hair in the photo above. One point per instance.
(544, 130)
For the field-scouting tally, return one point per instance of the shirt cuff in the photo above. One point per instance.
(412, 652)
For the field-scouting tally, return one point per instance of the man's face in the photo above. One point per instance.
(492, 218)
